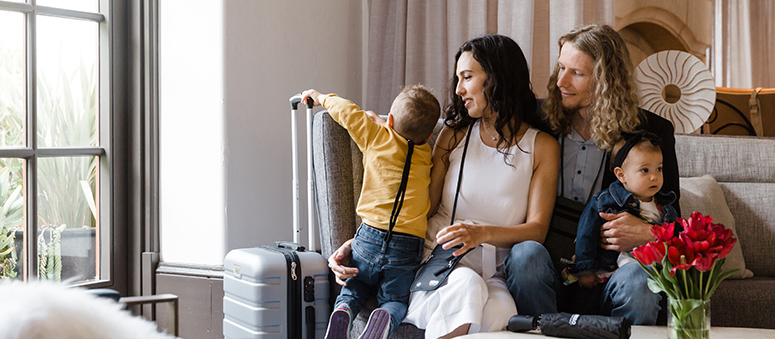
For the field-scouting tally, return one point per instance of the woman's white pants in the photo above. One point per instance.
(466, 298)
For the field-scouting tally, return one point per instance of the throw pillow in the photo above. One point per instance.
(703, 194)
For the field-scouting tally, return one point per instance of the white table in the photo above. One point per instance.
(646, 332)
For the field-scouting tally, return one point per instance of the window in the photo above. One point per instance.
(55, 113)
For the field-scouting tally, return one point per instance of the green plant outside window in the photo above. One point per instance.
(66, 116)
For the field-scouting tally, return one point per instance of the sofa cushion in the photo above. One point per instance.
(744, 303)
(726, 158)
(744, 167)
(704, 195)
(753, 205)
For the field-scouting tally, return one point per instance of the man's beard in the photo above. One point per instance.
(571, 109)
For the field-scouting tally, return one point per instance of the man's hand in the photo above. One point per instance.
(338, 262)
(623, 231)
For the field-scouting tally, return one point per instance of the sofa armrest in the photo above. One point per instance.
(334, 182)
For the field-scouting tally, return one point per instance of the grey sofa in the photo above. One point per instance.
(744, 167)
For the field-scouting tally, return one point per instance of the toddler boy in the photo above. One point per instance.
(394, 202)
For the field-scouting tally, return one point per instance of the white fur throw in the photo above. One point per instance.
(48, 310)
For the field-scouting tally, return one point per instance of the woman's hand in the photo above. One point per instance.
(338, 263)
(467, 234)
(623, 232)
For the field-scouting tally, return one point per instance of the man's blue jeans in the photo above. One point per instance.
(537, 288)
(386, 269)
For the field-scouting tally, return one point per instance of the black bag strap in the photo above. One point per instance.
(460, 174)
(399, 202)
(453, 260)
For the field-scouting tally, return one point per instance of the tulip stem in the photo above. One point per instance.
(683, 275)
(707, 286)
(700, 287)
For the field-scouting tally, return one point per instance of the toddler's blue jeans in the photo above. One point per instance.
(384, 269)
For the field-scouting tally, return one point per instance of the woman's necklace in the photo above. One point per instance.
(487, 130)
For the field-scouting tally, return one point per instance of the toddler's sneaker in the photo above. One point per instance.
(378, 326)
(339, 324)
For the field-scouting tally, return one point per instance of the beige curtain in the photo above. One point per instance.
(415, 41)
(744, 35)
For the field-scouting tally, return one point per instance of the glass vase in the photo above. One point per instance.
(688, 319)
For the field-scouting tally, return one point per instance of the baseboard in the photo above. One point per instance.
(200, 292)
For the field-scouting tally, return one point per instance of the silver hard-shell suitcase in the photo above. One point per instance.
(275, 292)
(279, 291)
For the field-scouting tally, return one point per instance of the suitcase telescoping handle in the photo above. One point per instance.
(295, 100)
(290, 245)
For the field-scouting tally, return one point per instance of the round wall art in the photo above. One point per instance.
(677, 86)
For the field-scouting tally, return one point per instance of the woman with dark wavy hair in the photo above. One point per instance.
(506, 194)
(512, 99)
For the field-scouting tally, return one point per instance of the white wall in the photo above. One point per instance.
(227, 70)
(192, 170)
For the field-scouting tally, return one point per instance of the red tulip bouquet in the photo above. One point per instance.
(687, 268)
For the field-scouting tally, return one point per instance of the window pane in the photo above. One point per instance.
(67, 82)
(12, 85)
(77, 5)
(11, 217)
(67, 218)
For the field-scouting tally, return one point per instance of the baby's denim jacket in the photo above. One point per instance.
(590, 257)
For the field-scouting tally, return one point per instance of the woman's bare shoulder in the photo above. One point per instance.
(546, 147)
(546, 140)
(449, 138)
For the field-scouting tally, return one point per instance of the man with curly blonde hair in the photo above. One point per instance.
(592, 100)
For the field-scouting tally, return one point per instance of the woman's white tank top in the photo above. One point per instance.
(492, 191)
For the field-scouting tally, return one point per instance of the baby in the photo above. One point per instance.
(638, 167)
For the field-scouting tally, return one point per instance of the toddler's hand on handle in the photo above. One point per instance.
(311, 94)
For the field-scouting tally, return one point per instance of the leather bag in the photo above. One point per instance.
(561, 239)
